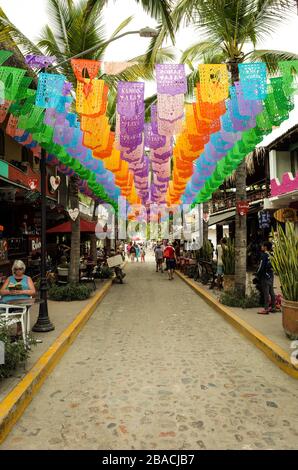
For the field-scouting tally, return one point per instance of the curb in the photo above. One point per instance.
(274, 352)
(14, 404)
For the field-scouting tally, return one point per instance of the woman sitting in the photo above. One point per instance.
(18, 286)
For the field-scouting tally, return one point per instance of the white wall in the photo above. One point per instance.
(279, 163)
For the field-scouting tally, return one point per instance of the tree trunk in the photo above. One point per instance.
(241, 220)
(205, 224)
(93, 238)
(240, 232)
(74, 269)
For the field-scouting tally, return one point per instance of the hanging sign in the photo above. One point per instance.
(206, 217)
(286, 215)
(264, 219)
(242, 207)
(73, 213)
(55, 182)
(33, 183)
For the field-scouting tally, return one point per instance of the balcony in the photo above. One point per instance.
(227, 200)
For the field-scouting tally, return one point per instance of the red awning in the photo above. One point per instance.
(85, 226)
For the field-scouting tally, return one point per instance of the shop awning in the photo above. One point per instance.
(217, 218)
(85, 226)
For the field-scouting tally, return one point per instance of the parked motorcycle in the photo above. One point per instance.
(115, 263)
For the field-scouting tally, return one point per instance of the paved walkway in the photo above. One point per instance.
(61, 315)
(156, 368)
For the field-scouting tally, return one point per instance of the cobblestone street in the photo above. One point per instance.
(156, 368)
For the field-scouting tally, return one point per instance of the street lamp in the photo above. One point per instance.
(43, 323)
(144, 33)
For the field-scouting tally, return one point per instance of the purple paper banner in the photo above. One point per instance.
(39, 61)
(171, 79)
(130, 98)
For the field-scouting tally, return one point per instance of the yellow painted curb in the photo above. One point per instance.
(14, 404)
(274, 352)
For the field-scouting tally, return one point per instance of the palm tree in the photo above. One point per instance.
(231, 30)
(73, 28)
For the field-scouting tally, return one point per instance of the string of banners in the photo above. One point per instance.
(181, 154)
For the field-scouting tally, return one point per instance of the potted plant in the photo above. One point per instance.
(284, 261)
(206, 252)
(228, 259)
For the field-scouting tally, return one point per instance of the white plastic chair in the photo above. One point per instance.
(13, 314)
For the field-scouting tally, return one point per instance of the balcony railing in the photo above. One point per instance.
(229, 201)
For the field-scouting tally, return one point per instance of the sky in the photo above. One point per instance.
(31, 15)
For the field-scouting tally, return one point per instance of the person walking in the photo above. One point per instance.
(158, 251)
(128, 248)
(265, 276)
(138, 251)
(132, 252)
(170, 257)
(219, 251)
(143, 254)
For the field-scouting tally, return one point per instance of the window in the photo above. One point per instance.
(2, 143)
(27, 156)
(294, 162)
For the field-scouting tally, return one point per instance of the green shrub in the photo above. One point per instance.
(231, 298)
(15, 352)
(284, 260)
(228, 257)
(106, 272)
(206, 252)
(70, 292)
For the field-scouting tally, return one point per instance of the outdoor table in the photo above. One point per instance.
(28, 304)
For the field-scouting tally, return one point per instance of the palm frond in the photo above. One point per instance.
(156, 44)
(270, 57)
(199, 51)
(122, 26)
(160, 10)
(12, 35)
(58, 11)
(183, 13)
(269, 14)
(49, 46)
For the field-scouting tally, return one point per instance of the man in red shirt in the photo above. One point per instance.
(170, 257)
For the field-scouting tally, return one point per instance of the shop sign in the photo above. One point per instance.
(55, 182)
(35, 244)
(286, 215)
(242, 207)
(206, 217)
(33, 183)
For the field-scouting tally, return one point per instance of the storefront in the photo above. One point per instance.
(20, 215)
